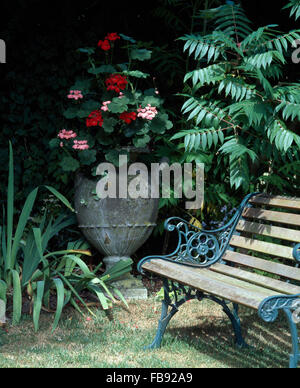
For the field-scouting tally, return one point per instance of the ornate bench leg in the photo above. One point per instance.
(235, 320)
(236, 324)
(295, 356)
(162, 324)
(167, 316)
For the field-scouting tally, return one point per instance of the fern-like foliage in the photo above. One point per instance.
(295, 8)
(232, 22)
(236, 105)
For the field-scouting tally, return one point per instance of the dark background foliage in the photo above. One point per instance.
(42, 38)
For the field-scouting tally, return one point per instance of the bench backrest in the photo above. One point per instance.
(266, 236)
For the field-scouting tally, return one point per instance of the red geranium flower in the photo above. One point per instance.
(104, 44)
(127, 117)
(116, 82)
(95, 118)
(112, 36)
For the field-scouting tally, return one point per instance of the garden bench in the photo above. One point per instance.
(252, 261)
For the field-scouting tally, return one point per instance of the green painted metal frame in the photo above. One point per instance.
(203, 248)
(268, 311)
(199, 247)
(175, 295)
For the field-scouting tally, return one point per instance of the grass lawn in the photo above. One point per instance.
(199, 336)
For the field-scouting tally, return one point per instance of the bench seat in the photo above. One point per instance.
(236, 285)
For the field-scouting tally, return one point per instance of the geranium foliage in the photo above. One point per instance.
(108, 109)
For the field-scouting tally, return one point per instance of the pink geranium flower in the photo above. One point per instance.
(104, 106)
(80, 145)
(148, 113)
(75, 94)
(64, 134)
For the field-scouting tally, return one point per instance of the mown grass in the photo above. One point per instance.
(199, 336)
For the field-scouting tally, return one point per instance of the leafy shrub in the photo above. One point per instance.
(241, 114)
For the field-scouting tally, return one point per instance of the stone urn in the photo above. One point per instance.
(116, 227)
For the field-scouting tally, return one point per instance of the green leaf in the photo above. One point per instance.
(17, 297)
(119, 269)
(87, 157)
(282, 137)
(31, 258)
(71, 112)
(128, 38)
(54, 143)
(69, 164)
(118, 105)
(25, 214)
(102, 69)
(239, 172)
(60, 301)
(112, 156)
(87, 50)
(38, 241)
(140, 54)
(236, 149)
(84, 268)
(295, 8)
(89, 106)
(37, 304)
(104, 286)
(151, 100)
(109, 124)
(73, 290)
(136, 74)
(102, 298)
(207, 75)
(61, 197)
(160, 124)
(120, 295)
(141, 142)
(3, 290)
(84, 85)
(211, 53)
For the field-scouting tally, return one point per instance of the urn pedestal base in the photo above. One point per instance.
(130, 287)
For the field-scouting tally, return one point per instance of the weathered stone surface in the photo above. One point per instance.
(114, 226)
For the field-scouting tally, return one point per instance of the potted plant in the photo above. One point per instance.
(111, 115)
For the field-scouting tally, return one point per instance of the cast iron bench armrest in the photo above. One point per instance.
(198, 247)
(270, 306)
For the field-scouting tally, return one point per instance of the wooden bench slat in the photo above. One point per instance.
(269, 215)
(195, 279)
(276, 201)
(262, 246)
(273, 284)
(269, 230)
(234, 281)
(263, 265)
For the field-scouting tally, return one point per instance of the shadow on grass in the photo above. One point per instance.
(269, 343)
(199, 336)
